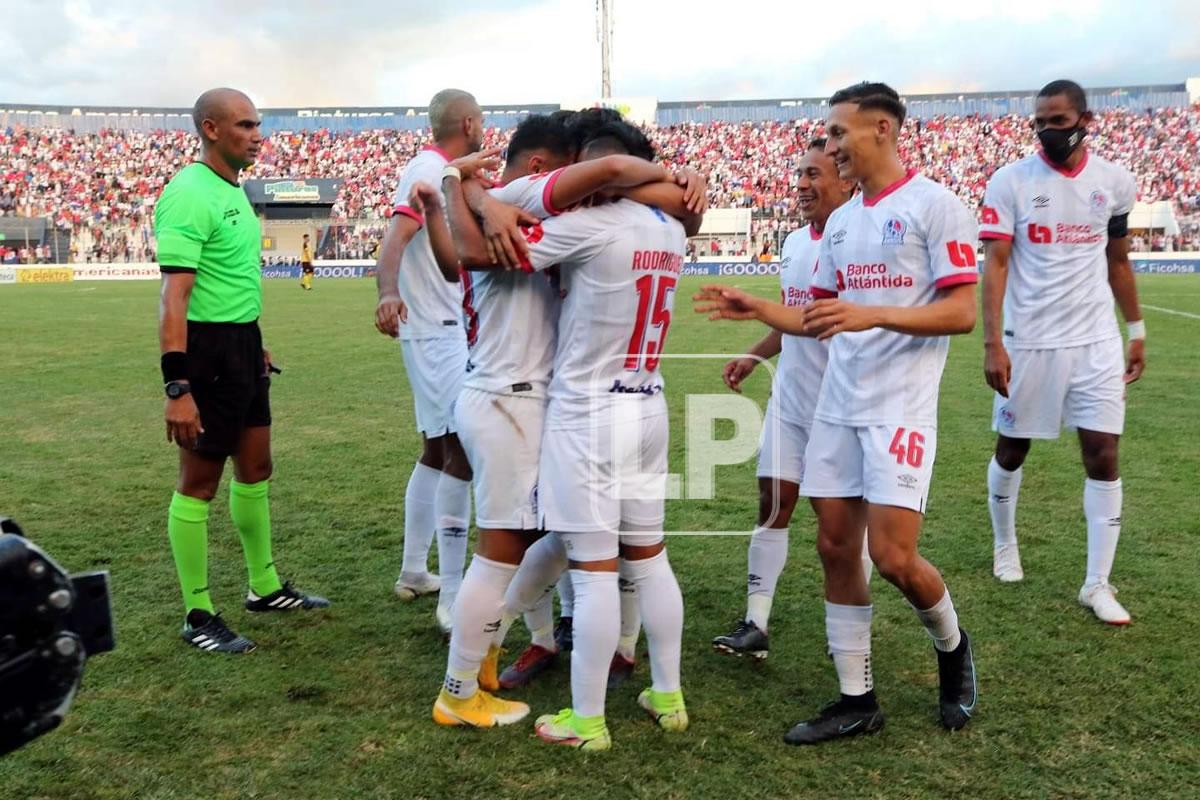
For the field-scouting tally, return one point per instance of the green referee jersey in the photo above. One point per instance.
(205, 224)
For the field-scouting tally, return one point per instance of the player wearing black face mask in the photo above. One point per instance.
(1055, 227)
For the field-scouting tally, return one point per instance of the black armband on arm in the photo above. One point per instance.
(174, 366)
(1118, 226)
(170, 270)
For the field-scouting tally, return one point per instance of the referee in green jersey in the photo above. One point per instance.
(215, 370)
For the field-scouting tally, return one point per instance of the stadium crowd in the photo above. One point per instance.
(102, 187)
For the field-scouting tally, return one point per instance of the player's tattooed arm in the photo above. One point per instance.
(498, 243)
(1124, 289)
(577, 182)
(427, 201)
(997, 367)
(685, 197)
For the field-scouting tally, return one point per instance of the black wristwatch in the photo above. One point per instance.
(177, 389)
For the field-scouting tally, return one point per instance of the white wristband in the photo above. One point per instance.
(1137, 329)
(450, 171)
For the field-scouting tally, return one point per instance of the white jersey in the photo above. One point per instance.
(1057, 220)
(512, 318)
(802, 358)
(434, 303)
(897, 249)
(619, 265)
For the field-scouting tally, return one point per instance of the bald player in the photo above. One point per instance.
(433, 344)
(215, 370)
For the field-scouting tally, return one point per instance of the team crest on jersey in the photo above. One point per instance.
(1098, 202)
(893, 231)
(1041, 201)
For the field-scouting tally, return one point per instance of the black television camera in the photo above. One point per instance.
(50, 623)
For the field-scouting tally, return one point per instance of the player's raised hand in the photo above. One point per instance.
(1135, 361)
(726, 302)
(183, 421)
(474, 163)
(826, 318)
(389, 313)
(502, 231)
(737, 370)
(695, 189)
(997, 368)
(424, 197)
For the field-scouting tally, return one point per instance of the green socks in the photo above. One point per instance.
(187, 528)
(251, 512)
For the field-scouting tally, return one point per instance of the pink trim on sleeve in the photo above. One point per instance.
(408, 212)
(548, 191)
(955, 280)
(995, 235)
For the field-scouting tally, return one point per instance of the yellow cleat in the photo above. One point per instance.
(666, 708)
(480, 710)
(489, 670)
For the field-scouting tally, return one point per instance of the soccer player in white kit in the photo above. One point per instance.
(1055, 226)
(603, 465)
(896, 276)
(433, 344)
(499, 413)
(789, 415)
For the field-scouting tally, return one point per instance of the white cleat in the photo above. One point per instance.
(410, 586)
(1006, 563)
(445, 619)
(1099, 597)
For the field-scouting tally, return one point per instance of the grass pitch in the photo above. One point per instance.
(337, 705)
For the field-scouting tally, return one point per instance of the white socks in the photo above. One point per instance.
(766, 557)
(540, 621)
(848, 629)
(452, 509)
(662, 615)
(566, 596)
(597, 627)
(631, 617)
(419, 521)
(482, 603)
(1003, 488)
(942, 623)
(1102, 508)
(544, 563)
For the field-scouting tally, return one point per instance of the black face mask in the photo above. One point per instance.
(1059, 143)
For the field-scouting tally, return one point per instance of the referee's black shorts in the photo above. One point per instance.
(230, 383)
(306, 266)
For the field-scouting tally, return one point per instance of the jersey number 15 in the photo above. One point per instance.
(657, 314)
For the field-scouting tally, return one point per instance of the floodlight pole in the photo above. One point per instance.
(604, 9)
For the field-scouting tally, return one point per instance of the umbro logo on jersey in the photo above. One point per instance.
(906, 480)
(893, 231)
(1041, 201)
(838, 237)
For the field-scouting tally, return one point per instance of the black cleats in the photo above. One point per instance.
(564, 635)
(210, 633)
(285, 599)
(839, 719)
(746, 639)
(957, 688)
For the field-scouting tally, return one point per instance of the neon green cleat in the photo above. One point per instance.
(585, 733)
(667, 709)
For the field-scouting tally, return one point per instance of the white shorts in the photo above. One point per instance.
(604, 479)
(1075, 387)
(887, 465)
(502, 437)
(436, 370)
(781, 448)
